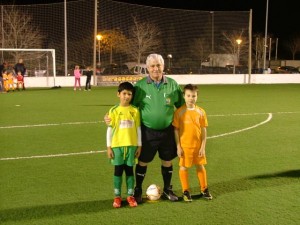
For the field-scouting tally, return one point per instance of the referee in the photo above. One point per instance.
(157, 96)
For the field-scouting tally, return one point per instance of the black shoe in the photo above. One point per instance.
(187, 196)
(206, 194)
(138, 195)
(169, 194)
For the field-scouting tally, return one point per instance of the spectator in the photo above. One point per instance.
(20, 80)
(77, 75)
(3, 67)
(89, 74)
(5, 80)
(8, 80)
(20, 67)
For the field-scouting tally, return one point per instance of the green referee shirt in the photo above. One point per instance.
(157, 102)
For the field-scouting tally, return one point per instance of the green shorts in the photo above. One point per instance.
(124, 155)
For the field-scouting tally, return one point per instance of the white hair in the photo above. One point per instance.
(154, 57)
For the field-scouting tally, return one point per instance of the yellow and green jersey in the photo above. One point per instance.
(124, 122)
(157, 102)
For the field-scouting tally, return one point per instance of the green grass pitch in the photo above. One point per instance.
(54, 168)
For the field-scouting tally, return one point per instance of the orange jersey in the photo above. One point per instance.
(5, 77)
(189, 123)
(10, 78)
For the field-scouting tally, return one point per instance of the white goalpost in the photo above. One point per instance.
(35, 60)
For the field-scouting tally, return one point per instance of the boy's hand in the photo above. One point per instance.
(138, 152)
(107, 119)
(110, 153)
(179, 151)
(202, 152)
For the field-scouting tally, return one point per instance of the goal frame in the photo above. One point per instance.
(52, 51)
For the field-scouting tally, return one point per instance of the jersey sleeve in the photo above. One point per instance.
(111, 116)
(180, 100)
(203, 119)
(108, 136)
(175, 122)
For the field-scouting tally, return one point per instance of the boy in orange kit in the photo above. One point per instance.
(190, 124)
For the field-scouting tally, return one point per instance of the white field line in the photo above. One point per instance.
(79, 123)
(241, 130)
(48, 124)
(53, 156)
(250, 114)
(102, 151)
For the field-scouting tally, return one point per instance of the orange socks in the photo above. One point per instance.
(201, 173)
(184, 179)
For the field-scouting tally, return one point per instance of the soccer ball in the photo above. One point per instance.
(153, 192)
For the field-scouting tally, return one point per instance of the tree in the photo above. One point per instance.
(112, 41)
(19, 32)
(143, 39)
(199, 49)
(293, 45)
(234, 44)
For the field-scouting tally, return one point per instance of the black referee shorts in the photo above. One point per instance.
(161, 141)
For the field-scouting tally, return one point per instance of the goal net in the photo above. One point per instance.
(38, 62)
(127, 33)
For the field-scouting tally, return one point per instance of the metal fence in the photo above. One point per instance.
(186, 38)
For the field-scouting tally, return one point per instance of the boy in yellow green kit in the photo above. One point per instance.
(124, 142)
(190, 124)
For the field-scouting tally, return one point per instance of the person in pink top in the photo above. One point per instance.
(77, 75)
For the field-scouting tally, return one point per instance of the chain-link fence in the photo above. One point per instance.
(191, 41)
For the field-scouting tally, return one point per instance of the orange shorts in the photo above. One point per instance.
(191, 157)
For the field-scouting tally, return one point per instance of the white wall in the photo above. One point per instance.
(181, 79)
(237, 78)
(51, 81)
(294, 63)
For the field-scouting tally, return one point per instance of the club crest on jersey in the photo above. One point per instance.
(168, 101)
(148, 96)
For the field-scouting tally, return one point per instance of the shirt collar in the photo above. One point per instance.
(163, 80)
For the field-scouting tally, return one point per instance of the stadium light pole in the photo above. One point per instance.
(238, 41)
(276, 48)
(266, 35)
(99, 38)
(212, 31)
(169, 57)
(95, 43)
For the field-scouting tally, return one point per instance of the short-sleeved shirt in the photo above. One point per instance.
(124, 123)
(77, 73)
(189, 123)
(157, 102)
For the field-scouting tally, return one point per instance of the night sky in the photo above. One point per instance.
(283, 20)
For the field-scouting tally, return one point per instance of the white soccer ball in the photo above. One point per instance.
(153, 192)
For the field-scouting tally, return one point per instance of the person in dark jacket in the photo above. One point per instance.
(3, 67)
(89, 74)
